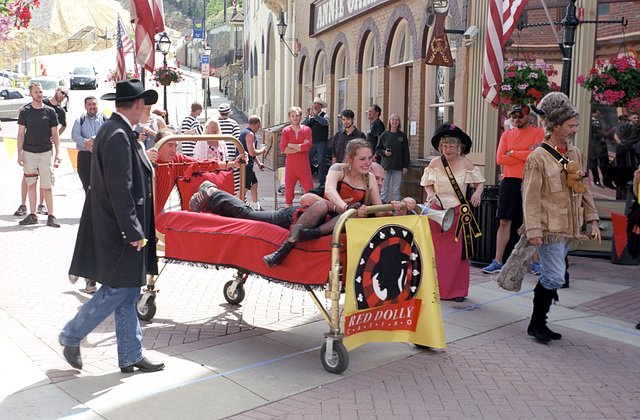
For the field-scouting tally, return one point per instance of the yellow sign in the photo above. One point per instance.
(391, 287)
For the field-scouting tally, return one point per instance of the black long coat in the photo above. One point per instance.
(118, 210)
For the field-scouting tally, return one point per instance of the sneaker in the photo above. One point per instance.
(200, 198)
(73, 278)
(22, 210)
(52, 221)
(494, 267)
(90, 286)
(535, 268)
(31, 219)
(42, 209)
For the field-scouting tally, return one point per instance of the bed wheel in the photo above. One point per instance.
(146, 307)
(338, 360)
(233, 294)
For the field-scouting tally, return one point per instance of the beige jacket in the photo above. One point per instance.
(551, 209)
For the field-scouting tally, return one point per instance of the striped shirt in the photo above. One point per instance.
(229, 126)
(189, 123)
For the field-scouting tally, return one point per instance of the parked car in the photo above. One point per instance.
(83, 77)
(11, 100)
(7, 77)
(49, 86)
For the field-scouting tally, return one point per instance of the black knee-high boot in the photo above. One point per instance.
(277, 257)
(541, 303)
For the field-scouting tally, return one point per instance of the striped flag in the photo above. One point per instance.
(148, 18)
(503, 16)
(123, 47)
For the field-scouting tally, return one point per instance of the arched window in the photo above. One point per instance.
(369, 76)
(340, 96)
(305, 84)
(402, 47)
(319, 77)
(401, 74)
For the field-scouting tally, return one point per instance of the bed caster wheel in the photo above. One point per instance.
(146, 307)
(338, 360)
(233, 295)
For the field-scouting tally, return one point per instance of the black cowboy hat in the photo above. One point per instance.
(450, 130)
(129, 90)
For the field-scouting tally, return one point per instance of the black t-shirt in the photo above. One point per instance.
(38, 123)
(377, 128)
(60, 112)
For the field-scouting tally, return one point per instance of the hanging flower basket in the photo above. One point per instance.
(111, 79)
(614, 82)
(166, 75)
(526, 82)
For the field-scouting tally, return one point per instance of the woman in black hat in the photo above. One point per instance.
(451, 249)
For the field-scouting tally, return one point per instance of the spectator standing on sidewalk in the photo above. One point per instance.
(116, 243)
(394, 149)
(514, 148)
(37, 131)
(598, 153)
(375, 130)
(553, 210)
(54, 102)
(191, 126)
(84, 132)
(341, 138)
(230, 127)
(249, 142)
(319, 124)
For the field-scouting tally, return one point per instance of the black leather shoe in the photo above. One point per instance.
(72, 354)
(459, 299)
(144, 365)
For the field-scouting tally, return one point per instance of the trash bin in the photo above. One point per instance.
(625, 258)
(485, 214)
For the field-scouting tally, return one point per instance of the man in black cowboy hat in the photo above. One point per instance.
(116, 237)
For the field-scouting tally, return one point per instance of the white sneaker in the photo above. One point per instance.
(73, 278)
(90, 286)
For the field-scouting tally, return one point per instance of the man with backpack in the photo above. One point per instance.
(83, 132)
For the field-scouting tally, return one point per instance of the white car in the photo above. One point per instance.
(49, 86)
(11, 100)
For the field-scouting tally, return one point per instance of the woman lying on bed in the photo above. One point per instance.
(351, 182)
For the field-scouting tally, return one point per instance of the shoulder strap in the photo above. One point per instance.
(82, 118)
(556, 155)
(452, 180)
(367, 198)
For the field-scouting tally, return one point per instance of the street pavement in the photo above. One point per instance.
(261, 359)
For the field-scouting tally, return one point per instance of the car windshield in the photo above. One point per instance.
(83, 70)
(48, 84)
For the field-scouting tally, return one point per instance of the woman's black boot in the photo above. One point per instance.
(277, 257)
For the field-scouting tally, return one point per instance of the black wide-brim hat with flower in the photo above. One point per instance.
(129, 90)
(450, 130)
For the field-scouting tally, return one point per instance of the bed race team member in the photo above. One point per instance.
(116, 243)
(448, 177)
(295, 142)
(553, 212)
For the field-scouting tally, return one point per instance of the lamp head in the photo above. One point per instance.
(282, 26)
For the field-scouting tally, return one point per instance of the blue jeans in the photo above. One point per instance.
(319, 150)
(552, 264)
(119, 300)
(395, 179)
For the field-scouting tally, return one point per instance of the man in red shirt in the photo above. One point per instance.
(514, 148)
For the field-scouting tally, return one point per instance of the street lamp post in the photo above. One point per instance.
(163, 44)
(569, 25)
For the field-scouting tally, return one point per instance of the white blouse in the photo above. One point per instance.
(203, 151)
(442, 186)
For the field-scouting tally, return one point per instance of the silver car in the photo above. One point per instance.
(11, 100)
(49, 86)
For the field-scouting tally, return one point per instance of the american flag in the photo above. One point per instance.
(123, 47)
(503, 16)
(148, 18)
